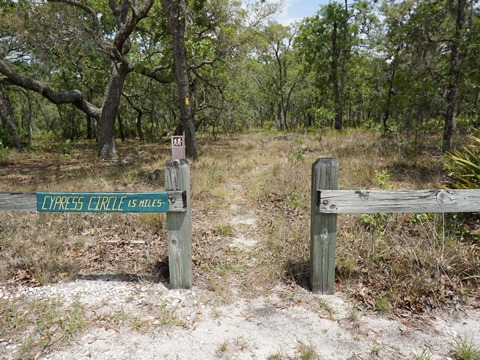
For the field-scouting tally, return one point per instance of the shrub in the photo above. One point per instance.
(464, 165)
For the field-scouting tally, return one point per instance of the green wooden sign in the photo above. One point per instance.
(102, 202)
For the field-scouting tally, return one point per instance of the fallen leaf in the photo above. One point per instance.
(409, 324)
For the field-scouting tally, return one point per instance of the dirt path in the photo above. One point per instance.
(238, 321)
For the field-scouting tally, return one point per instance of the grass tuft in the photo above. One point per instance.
(464, 349)
(424, 355)
(307, 352)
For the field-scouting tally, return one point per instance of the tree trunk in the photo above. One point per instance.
(27, 119)
(138, 119)
(120, 127)
(138, 124)
(341, 96)
(72, 132)
(128, 14)
(176, 12)
(281, 113)
(336, 91)
(8, 118)
(89, 128)
(88, 117)
(452, 95)
(106, 132)
(281, 82)
(388, 105)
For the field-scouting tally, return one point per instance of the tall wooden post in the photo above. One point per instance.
(323, 228)
(179, 226)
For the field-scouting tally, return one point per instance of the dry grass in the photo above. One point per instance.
(414, 262)
(43, 247)
(41, 324)
(386, 262)
(251, 218)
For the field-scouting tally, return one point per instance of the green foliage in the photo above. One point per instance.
(465, 349)
(323, 116)
(4, 140)
(382, 178)
(224, 230)
(269, 127)
(378, 221)
(420, 218)
(392, 61)
(382, 304)
(464, 165)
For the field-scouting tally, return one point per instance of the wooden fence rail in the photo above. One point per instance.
(175, 201)
(327, 202)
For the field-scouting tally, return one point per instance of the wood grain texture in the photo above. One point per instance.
(18, 201)
(390, 201)
(179, 226)
(323, 229)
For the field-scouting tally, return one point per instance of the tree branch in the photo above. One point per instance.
(153, 74)
(90, 12)
(74, 97)
(129, 25)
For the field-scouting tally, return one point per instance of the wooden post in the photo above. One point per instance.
(179, 226)
(323, 229)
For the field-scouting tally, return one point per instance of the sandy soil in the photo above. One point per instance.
(134, 320)
(191, 324)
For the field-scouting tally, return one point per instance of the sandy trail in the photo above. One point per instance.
(284, 322)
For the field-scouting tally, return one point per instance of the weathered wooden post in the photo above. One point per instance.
(323, 228)
(179, 226)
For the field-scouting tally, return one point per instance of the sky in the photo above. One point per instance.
(297, 9)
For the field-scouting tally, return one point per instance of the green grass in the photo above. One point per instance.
(424, 355)
(382, 304)
(38, 324)
(464, 349)
(224, 230)
(307, 352)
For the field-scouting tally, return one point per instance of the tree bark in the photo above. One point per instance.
(452, 97)
(138, 124)
(390, 94)
(67, 97)
(106, 132)
(138, 119)
(88, 117)
(334, 65)
(8, 118)
(344, 68)
(121, 130)
(127, 16)
(175, 11)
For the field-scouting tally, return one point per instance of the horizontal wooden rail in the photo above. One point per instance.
(175, 201)
(394, 201)
(327, 202)
(170, 201)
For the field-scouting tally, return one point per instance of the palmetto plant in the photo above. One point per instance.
(465, 165)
